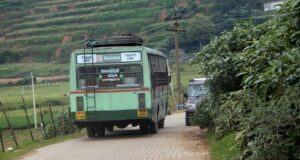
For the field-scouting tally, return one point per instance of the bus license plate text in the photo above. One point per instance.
(80, 115)
(142, 113)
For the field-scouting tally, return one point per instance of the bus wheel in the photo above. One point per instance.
(100, 130)
(187, 122)
(110, 128)
(161, 123)
(144, 127)
(91, 131)
(153, 126)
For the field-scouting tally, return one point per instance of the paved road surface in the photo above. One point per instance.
(174, 142)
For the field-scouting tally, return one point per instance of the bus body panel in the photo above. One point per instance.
(113, 101)
(117, 115)
(160, 102)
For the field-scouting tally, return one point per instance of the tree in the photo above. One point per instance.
(229, 12)
(199, 32)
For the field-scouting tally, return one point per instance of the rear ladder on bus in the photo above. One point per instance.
(90, 91)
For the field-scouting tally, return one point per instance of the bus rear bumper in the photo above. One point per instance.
(94, 117)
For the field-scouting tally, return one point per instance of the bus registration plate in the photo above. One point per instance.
(80, 115)
(142, 113)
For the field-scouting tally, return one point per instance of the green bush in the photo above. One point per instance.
(203, 116)
(63, 126)
(7, 55)
(254, 78)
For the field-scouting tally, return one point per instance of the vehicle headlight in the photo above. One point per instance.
(190, 106)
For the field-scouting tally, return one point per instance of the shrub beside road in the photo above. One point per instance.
(254, 82)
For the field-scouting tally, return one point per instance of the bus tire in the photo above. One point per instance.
(100, 131)
(90, 132)
(161, 123)
(144, 127)
(153, 127)
(110, 128)
(187, 122)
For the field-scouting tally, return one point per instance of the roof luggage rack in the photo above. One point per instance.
(115, 41)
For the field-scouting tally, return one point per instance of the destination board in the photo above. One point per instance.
(109, 58)
(130, 56)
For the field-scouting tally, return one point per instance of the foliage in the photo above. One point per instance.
(7, 55)
(229, 12)
(274, 128)
(199, 31)
(254, 78)
(225, 148)
(18, 120)
(203, 117)
(63, 126)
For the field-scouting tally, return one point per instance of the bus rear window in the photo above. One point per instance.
(110, 76)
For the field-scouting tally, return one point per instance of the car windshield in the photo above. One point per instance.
(197, 90)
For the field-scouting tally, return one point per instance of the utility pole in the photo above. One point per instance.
(177, 30)
(33, 100)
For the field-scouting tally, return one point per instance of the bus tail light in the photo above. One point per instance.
(142, 103)
(79, 103)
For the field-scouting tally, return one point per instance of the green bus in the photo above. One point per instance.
(116, 82)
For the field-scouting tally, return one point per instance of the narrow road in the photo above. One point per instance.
(174, 142)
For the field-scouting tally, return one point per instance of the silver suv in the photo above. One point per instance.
(196, 93)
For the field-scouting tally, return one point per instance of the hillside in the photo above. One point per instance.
(43, 31)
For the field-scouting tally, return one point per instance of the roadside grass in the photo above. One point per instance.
(27, 145)
(24, 69)
(22, 135)
(18, 120)
(54, 94)
(225, 148)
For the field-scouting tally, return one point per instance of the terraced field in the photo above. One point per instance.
(48, 30)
